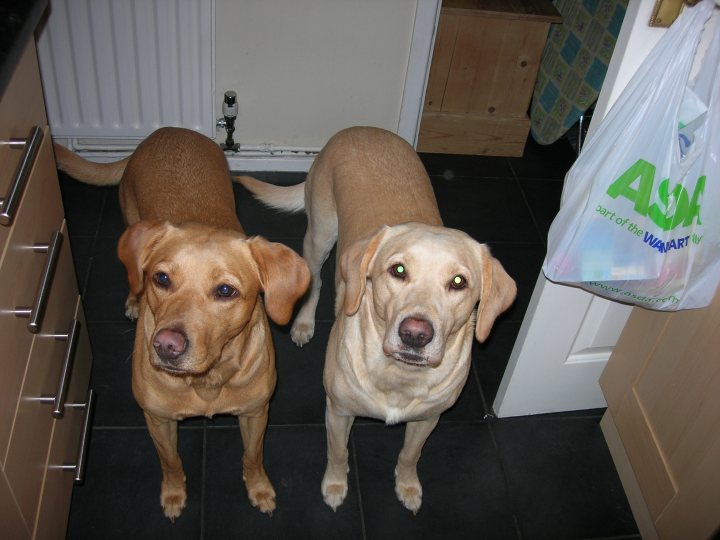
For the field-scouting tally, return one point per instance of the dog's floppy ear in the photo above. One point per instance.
(498, 293)
(354, 265)
(284, 277)
(133, 249)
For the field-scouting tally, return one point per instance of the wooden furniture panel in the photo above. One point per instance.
(485, 62)
(441, 61)
(13, 525)
(477, 43)
(663, 419)
(653, 473)
(459, 133)
(520, 54)
(34, 492)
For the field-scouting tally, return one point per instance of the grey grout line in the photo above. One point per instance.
(203, 478)
(487, 410)
(506, 482)
(359, 491)
(528, 206)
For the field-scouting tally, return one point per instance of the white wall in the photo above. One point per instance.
(304, 69)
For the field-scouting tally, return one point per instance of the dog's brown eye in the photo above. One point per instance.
(458, 282)
(161, 279)
(225, 291)
(398, 270)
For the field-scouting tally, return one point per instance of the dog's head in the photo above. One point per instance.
(424, 283)
(199, 287)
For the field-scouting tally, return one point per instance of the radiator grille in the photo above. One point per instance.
(123, 68)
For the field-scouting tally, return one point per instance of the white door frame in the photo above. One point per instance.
(427, 14)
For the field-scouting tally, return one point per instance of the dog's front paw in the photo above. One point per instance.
(260, 491)
(173, 496)
(301, 332)
(409, 492)
(131, 307)
(334, 490)
(262, 496)
(334, 494)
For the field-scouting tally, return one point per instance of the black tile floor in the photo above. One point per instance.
(542, 477)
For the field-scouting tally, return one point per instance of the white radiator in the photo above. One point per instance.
(122, 68)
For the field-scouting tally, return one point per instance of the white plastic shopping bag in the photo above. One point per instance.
(640, 219)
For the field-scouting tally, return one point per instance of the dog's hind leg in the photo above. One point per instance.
(407, 483)
(319, 241)
(334, 485)
(172, 489)
(260, 490)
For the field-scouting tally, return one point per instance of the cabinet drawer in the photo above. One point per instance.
(39, 216)
(21, 108)
(32, 425)
(66, 435)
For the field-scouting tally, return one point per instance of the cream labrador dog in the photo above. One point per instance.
(202, 292)
(411, 294)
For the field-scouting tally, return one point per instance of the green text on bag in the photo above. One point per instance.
(683, 208)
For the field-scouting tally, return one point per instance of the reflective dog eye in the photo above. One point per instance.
(398, 270)
(161, 279)
(225, 291)
(458, 282)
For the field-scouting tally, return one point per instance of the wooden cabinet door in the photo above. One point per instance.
(662, 385)
(484, 65)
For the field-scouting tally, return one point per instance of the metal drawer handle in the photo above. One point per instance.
(31, 145)
(79, 467)
(58, 401)
(35, 313)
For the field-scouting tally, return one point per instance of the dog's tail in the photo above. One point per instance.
(97, 174)
(286, 198)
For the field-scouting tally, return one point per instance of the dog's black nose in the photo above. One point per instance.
(416, 333)
(170, 344)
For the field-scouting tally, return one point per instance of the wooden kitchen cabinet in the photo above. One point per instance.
(662, 424)
(37, 448)
(485, 62)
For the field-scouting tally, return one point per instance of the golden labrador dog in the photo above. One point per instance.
(202, 343)
(410, 295)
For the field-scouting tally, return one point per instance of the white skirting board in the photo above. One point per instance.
(281, 160)
(271, 163)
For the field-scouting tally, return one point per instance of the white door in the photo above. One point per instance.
(568, 334)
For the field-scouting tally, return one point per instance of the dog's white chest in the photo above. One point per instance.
(398, 407)
(393, 415)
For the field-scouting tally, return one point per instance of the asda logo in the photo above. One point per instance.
(671, 208)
